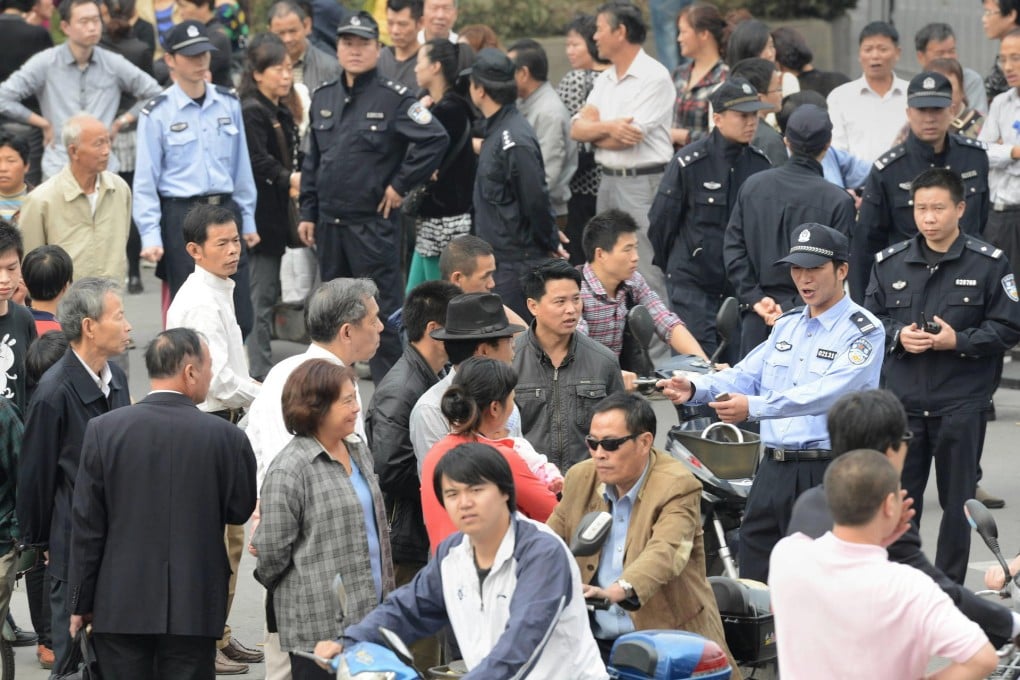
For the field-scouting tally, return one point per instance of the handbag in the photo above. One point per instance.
(415, 198)
(80, 662)
(633, 355)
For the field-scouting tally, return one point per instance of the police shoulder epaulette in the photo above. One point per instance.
(890, 157)
(326, 84)
(863, 323)
(687, 157)
(759, 152)
(968, 141)
(791, 312)
(399, 88)
(507, 141)
(153, 103)
(226, 91)
(886, 253)
(985, 249)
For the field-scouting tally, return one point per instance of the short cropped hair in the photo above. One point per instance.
(425, 303)
(282, 8)
(16, 142)
(604, 230)
(531, 54)
(46, 271)
(534, 281)
(85, 299)
(461, 255)
(168, 352)
(934, 32)
(10, 239)
(627, 14)
(66, 8)
(44, 351)
(501, 93)
(857, 484)
(416, 7)
(640, 416)
(879, 28)
(756, 71)
(869, 419)
(335, 303)
(309, 393)
(475, 463)
(201, 217)
(941, 178)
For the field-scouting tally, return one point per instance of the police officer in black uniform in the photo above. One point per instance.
(689, 215)
(512, 209)
(886, 214)
(950, 308)
(370, 143)
(769, 208)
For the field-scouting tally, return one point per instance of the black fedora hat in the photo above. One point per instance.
(476, 316)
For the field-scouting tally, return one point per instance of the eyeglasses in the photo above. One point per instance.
(608, 444)
(1004, 59)
(907, 436)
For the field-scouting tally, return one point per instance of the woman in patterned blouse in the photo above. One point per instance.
(573, 91)
(701, 29)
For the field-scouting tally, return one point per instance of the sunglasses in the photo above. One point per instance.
(609, 444)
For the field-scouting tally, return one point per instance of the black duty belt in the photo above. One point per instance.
(999, 206)
(232, 415)
(797, 455)
(208, 199)
(633, 172)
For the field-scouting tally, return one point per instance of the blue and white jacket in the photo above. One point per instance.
(526, 620)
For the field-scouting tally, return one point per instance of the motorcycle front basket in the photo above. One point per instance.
(727, 459)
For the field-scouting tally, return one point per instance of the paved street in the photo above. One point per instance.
(1001, 477)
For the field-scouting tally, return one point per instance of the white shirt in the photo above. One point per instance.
(422, 40)
(645, 92)
(266, 431)
(887, 620)
(864, 122)
(1001, 134)
(102, 380)
(205, 303)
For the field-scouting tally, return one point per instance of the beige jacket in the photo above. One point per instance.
(57, 212)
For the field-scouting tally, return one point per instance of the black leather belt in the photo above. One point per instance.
(797, 455)
(633, 172)
(232, 415)
(999, 206)
(209, 199)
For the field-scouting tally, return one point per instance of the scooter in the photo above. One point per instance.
(984, 524)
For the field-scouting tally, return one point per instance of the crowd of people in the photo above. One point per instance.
(479, 238)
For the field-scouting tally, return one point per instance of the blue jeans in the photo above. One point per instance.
(664, 14)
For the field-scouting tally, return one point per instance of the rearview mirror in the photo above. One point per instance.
(591, 533)
(727, 323)
(983, 522)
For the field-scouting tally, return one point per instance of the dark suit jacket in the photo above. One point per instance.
(62, 405)
(811, 516)
(157, 483)
(21, 40)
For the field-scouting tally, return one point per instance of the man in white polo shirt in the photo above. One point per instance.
(627, 119)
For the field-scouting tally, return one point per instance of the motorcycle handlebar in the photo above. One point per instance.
(597, 603)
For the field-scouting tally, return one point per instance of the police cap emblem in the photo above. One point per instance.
(804, 237)
(192, 31)
(928, 84)
(355, 21)
(747, 89)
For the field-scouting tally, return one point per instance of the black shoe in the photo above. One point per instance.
(24, 638)
(135, 285)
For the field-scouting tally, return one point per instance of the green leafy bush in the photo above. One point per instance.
(791, 9)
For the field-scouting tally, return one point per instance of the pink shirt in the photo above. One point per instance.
(842, 610)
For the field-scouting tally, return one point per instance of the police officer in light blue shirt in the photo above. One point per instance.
(814, 355)
(192, 149)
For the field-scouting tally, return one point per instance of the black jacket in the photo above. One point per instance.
(812, 517)
(973, 290)
(271, 166)
(512, 209)
(450, 195)
(770, 206)
(65, 400)
(361, 140)
(387, 425)
(156, 485)
(137, 52)
(887, 209)
(692, 208)
(21, 40)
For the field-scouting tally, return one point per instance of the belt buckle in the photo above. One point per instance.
(215, 200)
(779, 455)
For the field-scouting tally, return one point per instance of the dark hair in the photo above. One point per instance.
(792, 50)
(66, 7)
(16, 142)
(44, 351)
(1007, 6)
(166, 355)
(934, 32)
(479, 381)
(46, 271)
(10, 239)
(459, 351)
(856, 484)
(640, 415)
(461, 255)
(534, 281)
(869, 419)
(445, 53)
(948, 67)
(621, 12)
(201, 217)
(265, 50)
(479, 36)
(531, 54)
(210, 4)
(756, 71)
(501, 93)
(941, 178)
(879, 28)
(584, 26)
(604, 230)
(23, 6)
(475, 463)
(121, 14)
(791, 102)
(427, 302)
(747, 40)
(416, 7)
(309, 393)
(704, 16)
(282, 8)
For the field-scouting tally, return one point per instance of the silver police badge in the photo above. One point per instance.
(419, 114)
(928, 84)
(899, 285)
(804, 237)
(747, 89)
(712, 186)
(1009, 285)
(783, 346)
(192, 31)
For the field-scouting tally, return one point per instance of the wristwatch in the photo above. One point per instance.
(628, 589)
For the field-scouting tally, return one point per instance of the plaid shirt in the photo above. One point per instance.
(312, 528)
(691, 110)
(606, 316)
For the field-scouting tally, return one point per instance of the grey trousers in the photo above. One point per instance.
(264, 273)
